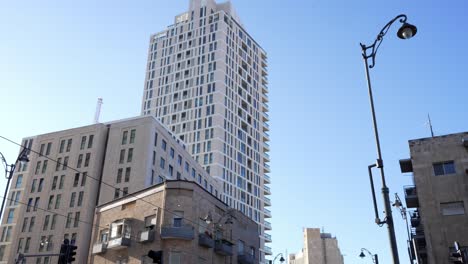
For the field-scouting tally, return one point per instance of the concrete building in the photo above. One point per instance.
(172, 218)
(439, 166)
(54, 196)
(206, 79)
(319, 248)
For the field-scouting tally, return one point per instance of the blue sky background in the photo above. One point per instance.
(58, 57)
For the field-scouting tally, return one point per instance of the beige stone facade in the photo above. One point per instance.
(439, 196)
(319, 248)
(206, 79)
(71, 171)
(171, 217)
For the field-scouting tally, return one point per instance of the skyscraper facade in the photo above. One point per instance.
(206, 80)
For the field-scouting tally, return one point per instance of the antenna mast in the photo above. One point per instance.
(430, 124)
(98, 110)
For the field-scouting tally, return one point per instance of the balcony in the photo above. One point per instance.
(267, 167)
(99, 248)
(267, 190)
(266, 136)
(266, 126)
(266, 117)
(267, 225)
(411, 197)
(267, 250)
(267, 213)
(267, 179)
(266, 146)
(223, 247)
(183, 232)
(266, 157)
(265, 94)
(267, 201)
(205, 240)
(245, 259)
(118, 243)
(415, 219)
(146, 236)
(265, 107)
(267, 237)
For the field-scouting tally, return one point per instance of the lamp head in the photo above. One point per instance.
(23, 158)
(362, 255)
(282, 259)
(407, 31)
(208, 219)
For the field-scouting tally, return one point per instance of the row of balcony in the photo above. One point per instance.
(267, 190)
(267, 225)
(267, 213)
(267, 179)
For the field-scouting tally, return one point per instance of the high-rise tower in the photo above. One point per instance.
(206, 79)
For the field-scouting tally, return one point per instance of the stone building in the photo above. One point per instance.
(181, 219)
(439, 167)
(319, 248)
(54, 196)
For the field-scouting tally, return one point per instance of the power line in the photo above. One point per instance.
(104, 183)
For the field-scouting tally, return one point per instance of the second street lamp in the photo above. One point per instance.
(406, 31)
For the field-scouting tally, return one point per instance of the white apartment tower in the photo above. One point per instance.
(206, 80)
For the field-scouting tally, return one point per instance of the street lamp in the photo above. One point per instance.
(399, 205)
(406, 31)
(10, 169)
(280, 260)
(375, 258)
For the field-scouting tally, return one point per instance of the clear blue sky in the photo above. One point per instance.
(58, 57)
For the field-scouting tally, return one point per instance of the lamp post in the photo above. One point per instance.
(9, 170)
(406, 31)
(280, 260)
(375, 257)
(399, 205)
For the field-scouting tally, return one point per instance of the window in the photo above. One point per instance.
(57, 201)
(77, 219)
(240, 247)
(62, 180)
(46, 222)
(54, 220)
(30, 202)
(69, 218)
(11, 214)
(164, 144)
(65, 163)
(116, 193)
(69, 143)
(125, 191)
(83, 178)
(25, 224)
(41, 184)
(187, 167)
(80, 198)
(155, 139)
(38, 167)
(88, 157)
(83, 142)
(452, 208)
(44, 166)
(127, 174)
(90, 141)
(6, 234)
(150, 221)
(58, 164)
(177, 218)
(443, 168)
(119, 175)
(31, 224)
(80, 160)
(171, 170)
(124, 137)
(162, 163)
(26, 245)
(33, 185)
(104, 235)
(130, 155)
(132, 136)
(122, 156)
(19, 181)
(72, 199)
(171, 152)
(36, 204)
(62, 146)
(179, 160)
(20, 246)
(2, 250)
(76, 180)
(54, 182)
(119, 229)
(49, 146)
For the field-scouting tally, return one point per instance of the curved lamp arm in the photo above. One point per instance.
(10, 168)
(375, 46)
(281, 260)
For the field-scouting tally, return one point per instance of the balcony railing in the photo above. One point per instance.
(267, 189)
(267, 225)
(267, 201)
(118, 243)
(266, 211)
(184, 232)
(267, 250)
(415, 219)
(223, 247)
(205, 240)
(267, 237)
(146, 236)
(411, 197)
(267, 178)
(245, 259)
(99, 248)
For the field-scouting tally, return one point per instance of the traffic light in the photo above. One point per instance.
(458, 257)
(63, 252)
(156, 256)
(71, 252)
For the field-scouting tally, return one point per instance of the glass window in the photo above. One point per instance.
(19, 181)
(31, 224)
(25, 224)
(49, 146)
(80, 198)
(77, 219)
(54, 219)
(26, 245)
(57, 201)
(443, 168)
(41, 184)
(122, 156)
(162, 163)
(452, 208)
(171, 152)
(54, 182)
(46, 222)
(72, 199)
(88, 157)
(90, 141)
(44, 166)
(62, 180)
(83, 178)
(11, 214)
(132, 136)
(76, 180)
(127, 174)
(62, 146)
(164, 144)
(69, 143)
(124, 137)
(130, 155)
(69, 217)
(177, 218)
(83, 142)
(119, 175)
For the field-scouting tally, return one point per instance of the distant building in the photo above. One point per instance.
(54, 196)
(207, 80)
(439, 196)
(172, 217)
(319, 248)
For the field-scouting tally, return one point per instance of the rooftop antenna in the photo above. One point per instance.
(98, 110)
(430, 124)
